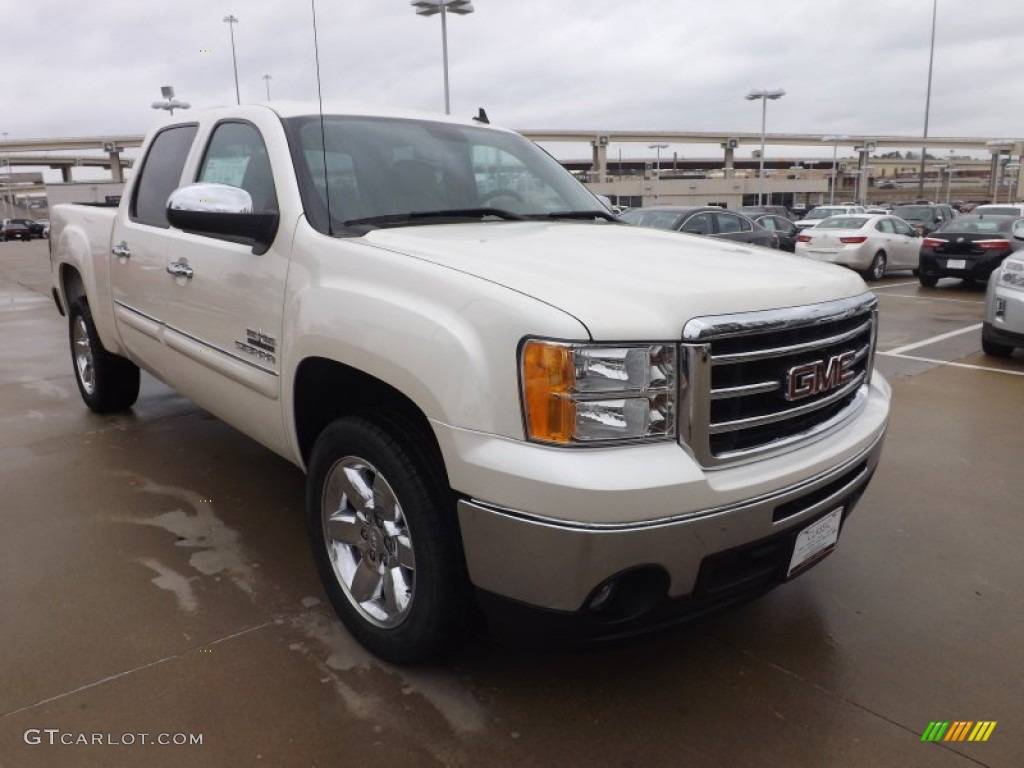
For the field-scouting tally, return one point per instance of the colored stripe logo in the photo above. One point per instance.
(959, 730)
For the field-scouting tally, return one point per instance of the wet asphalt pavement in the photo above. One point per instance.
(155, 579)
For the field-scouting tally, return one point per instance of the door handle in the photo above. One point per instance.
(179, 269)
(122, 251)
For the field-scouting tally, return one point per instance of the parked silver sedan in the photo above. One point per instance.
(1003, 326)
(869, 243)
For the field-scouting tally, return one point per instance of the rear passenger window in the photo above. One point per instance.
(728, 223)
(161, 175)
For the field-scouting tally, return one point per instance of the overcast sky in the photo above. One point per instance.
(848, 66)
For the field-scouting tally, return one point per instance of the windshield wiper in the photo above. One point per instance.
(581, 215)
(451, 213)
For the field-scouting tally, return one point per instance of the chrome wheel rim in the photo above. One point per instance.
(879, 271)
(368, 541)
(83, 355)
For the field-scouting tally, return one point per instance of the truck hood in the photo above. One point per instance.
(623, 282)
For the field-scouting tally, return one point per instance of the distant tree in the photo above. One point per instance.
(894, 155)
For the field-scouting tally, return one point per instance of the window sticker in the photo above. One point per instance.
(225, 170)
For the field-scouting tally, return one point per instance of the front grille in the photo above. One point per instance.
(763, 382)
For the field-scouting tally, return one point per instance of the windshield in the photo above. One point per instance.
(824, 213)
(979, 224)
(998, 210)
(843, 222)
(655, 219)
(388, 167)
(914, 212)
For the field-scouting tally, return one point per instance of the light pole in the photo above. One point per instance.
(657, 168)
(834, 139)
(231, 21)
(170, 103)
(949, 183)
(443, 7)
(927, 100)
(763, 95)
(267, 79)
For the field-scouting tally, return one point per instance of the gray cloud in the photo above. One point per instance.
(859, 68)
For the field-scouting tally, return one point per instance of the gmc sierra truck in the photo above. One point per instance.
(507, 403)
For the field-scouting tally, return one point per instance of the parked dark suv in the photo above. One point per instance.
(925, 218)
(703, 220)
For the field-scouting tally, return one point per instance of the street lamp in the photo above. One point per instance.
(763, 95)
(927, 100)
(170, 103)
(443, 7)
(657, 168)
(231, 21)
(834, 139)
(267, 79)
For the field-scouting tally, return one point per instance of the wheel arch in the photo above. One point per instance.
(325, 390)
(71, 284)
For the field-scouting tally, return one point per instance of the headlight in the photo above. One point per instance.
(587, 393)
(1012, 273)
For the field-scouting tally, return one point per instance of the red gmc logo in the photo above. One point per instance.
(820, 376)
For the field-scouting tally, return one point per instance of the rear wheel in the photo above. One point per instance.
(382, 526)
(107, 382)
(928, 281)
(877, 269)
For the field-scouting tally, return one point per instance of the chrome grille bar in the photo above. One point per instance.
(761, 383)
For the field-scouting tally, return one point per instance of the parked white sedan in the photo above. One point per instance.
(870, 244)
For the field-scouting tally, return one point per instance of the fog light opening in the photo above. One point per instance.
(628, 595)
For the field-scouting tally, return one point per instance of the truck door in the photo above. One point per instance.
(139, 241)
(224, 303)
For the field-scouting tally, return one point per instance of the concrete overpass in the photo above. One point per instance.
(17, 152)
(112, 145)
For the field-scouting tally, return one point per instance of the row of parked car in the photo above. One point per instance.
(23, 229)
(931, 240)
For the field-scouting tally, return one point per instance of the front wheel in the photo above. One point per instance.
(877, 269)
(995, 349)
(107, 382)
(382, 526)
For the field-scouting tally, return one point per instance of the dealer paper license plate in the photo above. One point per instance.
(956, 264)
(815, 541)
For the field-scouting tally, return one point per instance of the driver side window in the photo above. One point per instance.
(237, 156)
(698, 224)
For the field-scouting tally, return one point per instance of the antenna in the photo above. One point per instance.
(323, 140)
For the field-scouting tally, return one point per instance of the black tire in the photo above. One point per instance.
(877, 269)
(928, 281)
(415, 550)
(995, 349)
(107, 382)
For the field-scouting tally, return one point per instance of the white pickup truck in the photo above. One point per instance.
(503, 398)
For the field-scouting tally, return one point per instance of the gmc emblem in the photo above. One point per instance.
(820, 376)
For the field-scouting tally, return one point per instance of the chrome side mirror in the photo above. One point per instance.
(212, 198)
(223, 212)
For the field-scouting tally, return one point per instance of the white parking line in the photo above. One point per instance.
(933, 340)
(896, 285)
(930, 298)
(952, 364)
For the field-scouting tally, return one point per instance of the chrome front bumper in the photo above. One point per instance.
(559, 565)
